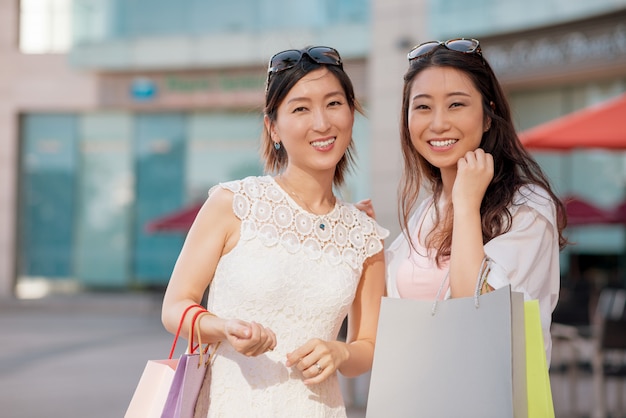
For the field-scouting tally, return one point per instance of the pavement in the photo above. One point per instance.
(81, 355)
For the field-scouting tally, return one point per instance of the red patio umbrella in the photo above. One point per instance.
(178, 221)
(597, 126)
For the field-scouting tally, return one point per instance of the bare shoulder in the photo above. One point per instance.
(217, 211)
(220, 197)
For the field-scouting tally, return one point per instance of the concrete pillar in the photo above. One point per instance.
(8, 148)
(396, 26)
(28, 83)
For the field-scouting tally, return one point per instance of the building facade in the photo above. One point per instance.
(157, 101)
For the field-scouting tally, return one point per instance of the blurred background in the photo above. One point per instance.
(117, 116)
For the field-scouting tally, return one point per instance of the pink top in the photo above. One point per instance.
(534, 270)
(418, 276)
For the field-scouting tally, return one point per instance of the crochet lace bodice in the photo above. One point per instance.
(296, 273)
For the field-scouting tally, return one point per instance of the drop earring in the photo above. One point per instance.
(276, 146)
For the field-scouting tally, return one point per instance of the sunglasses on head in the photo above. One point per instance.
(290, 58)
(466, 46)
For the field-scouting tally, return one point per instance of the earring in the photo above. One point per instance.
(276, 146)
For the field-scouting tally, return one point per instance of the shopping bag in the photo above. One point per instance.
(189, 376)
(461, 357)
(156, 380)
(537, 376)
(152, 389)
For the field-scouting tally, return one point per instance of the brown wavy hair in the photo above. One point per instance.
(514, 167)
(278, 86)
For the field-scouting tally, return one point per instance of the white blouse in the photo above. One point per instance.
(526, 257)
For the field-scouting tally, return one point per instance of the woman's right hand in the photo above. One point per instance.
(249, 338)
(474, 174)
(366, 206)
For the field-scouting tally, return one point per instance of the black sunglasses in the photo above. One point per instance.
(290, 58)
(466, 46)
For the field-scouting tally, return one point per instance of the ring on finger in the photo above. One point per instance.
(319, 368)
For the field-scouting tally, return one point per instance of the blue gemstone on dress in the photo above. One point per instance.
(322, 226)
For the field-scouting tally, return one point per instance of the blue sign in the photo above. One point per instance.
(143, 89)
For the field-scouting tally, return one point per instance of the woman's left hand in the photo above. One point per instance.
(317, 359)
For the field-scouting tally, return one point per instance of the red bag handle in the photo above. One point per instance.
(196, 319)
(180, 325)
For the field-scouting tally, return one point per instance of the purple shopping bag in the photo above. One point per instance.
(189, 378)
(181, 399)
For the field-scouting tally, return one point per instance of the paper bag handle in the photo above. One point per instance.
(201, 351)
(483, 271)
(180, 325)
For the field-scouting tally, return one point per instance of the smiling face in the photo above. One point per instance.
(314, 122)
(445, 116)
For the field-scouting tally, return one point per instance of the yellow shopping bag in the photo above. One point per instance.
(537, 378)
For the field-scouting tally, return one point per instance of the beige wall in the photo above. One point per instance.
(28, 83)
(396, 26)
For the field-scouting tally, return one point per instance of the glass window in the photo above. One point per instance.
(449, 18)
(106, 20)
(45, 26)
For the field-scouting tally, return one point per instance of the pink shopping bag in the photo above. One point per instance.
(156, 380)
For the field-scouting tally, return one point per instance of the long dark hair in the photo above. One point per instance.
(513, 168)
(278, 86)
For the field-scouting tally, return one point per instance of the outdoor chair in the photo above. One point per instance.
(609, 360)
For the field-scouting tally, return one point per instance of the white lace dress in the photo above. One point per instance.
(296, 273)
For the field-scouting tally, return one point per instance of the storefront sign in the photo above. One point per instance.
(569, 49)
(182, 89)
(234, 88)
(593, 45)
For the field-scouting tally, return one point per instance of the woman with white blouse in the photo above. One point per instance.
(487, 195)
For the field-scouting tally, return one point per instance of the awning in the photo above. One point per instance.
(620, 213)
(582, 212)
(178, 221)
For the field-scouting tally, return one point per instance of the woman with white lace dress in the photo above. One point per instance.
(284, 259)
